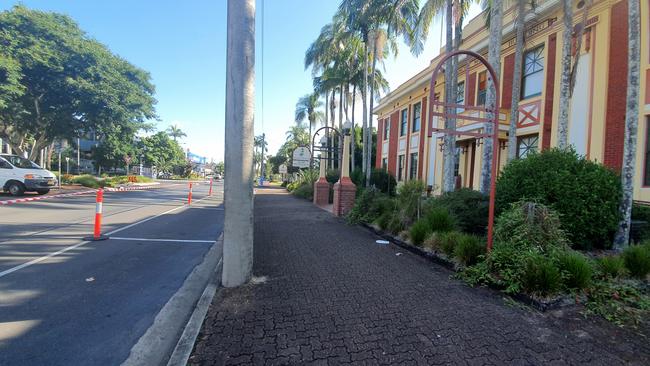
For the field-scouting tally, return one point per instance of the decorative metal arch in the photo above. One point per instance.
(329, 150)
(449, 110)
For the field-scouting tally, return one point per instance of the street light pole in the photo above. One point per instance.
(78, 156)
(240, 110)
(60, 168)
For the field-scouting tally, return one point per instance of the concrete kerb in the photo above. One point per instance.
(185, 345)
(178, 317)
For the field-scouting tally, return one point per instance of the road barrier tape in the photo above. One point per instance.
(29, 199)
(38, 198)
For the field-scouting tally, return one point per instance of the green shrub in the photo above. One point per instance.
(395, 225)
(369, 205)
(431, 241)
(540, 276)
(358, 177)
(525, 231)
(576, 269)
(88, 181)
(468, 249)
(637, 260)
(585, 194)
(409, 200)
(419, 231)
(379, 178)
(530, 225)
(446, 242)
(332, 176)
(384, 220)
(468, 207)
(305, 191)
(611, 267)
(440, 220)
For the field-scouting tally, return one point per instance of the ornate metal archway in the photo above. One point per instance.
(329, 148)
(450, 110)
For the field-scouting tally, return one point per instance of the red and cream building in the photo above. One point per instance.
(409, 149)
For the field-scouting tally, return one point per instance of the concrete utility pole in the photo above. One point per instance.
(240, 110)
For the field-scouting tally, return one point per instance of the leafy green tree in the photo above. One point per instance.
(58, 82)
(219, 167)
(114, 147)
(163, 152)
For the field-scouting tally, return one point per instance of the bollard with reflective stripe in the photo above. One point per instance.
(189, 195)
(210, 191)
(99, 205)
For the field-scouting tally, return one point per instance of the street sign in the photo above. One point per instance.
(282, 169)
(301, 157)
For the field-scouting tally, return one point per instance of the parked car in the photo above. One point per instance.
(19, 175)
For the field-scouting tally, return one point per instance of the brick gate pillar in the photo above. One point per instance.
(322, 186)
(344, 189)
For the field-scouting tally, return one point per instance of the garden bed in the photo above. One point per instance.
(539, 304)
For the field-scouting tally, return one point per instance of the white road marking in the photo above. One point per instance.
(38, 260)
(165, 240)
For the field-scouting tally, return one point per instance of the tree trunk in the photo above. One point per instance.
(565, 80)
(494, 58)
(333, 119)
(354, 131)
(340, 127)
(372, 104)
(327, 132)
(364, 102)
(631, 124)
(240, 111)
(520, 26)
(450, 123)
(581, 31)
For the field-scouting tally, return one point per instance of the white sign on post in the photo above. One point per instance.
(301, 157)
(282, 169)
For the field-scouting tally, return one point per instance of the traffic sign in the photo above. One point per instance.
(282, 169)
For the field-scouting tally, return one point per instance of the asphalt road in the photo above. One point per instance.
(64, 301)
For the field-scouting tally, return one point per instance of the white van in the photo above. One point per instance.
(19, 175)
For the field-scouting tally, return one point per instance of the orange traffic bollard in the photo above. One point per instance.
(99, 205)
(210, 191)
(189, 195)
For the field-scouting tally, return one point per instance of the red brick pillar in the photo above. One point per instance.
(321, 192)
(344, 194)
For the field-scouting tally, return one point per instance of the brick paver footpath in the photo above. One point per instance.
(326, 293)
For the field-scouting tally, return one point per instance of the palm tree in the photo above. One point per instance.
(175, 132)
(373, 20)
(494, 58)
(631, 123)
(261, 148)
(307, 108)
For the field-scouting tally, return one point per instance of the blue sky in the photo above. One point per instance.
(183, 45)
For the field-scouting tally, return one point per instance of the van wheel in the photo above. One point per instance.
(16, 189)
(42, 191)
